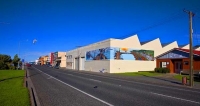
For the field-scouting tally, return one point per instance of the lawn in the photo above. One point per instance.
(146, 73)
(179, 77)
(12, 90)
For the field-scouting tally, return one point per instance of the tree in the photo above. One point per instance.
(5, 61)
(16, 60)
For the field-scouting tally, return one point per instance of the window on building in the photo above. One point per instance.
(186, 63)
(163, 64)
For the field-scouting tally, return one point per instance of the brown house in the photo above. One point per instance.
(177, 60)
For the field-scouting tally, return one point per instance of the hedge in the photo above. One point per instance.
(162, 70)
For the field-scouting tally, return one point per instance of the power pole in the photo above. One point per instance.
(191, 14)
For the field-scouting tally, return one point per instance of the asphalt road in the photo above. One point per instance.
(56, 87)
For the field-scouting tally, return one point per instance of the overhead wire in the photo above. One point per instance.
(176, 15)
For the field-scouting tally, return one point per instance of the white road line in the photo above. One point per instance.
(175, 98)
(140, 83)
(95, 80)
(77, 89)
(49, 78)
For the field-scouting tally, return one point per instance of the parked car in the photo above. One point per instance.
(28, 65)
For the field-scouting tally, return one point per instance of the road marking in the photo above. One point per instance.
(140, 83)
(95, 80)
(77, 89)
(175, 98)
(49, 78)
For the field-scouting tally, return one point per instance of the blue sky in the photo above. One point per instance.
(61, 25)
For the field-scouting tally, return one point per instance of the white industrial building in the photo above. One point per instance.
(119, 55)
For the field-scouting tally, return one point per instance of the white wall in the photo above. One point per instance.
(130, 42)
(120, 66)
(82, 50)
(97, 65)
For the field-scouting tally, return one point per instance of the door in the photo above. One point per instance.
(178, 66)
(76, 64)
(82, 63)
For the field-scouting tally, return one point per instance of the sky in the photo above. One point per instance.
(61, 25)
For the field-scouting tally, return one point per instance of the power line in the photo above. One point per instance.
(176, 15)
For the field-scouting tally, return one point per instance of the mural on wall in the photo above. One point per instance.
(115, 53)
(99, 54)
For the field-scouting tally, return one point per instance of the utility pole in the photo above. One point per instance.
(191, 14)
(18, 56)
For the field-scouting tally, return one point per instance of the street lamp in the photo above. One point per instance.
(34, 41)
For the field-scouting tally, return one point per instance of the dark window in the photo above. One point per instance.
(186, 63)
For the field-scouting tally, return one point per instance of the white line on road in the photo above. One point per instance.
(77, 89)
(175, 98)
(49, 78)
(95, 80)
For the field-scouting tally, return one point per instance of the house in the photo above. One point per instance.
(59, 59)
(178, 60)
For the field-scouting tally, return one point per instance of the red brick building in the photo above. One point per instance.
(177, 60)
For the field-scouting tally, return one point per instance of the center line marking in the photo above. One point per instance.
(77, 89)
(175, 98)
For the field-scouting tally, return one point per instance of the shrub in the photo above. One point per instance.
(162, 70)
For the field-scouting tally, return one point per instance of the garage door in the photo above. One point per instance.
(82, 63)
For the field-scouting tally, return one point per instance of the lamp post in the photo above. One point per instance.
(18, 55)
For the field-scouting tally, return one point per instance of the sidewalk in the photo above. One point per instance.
(166, 79)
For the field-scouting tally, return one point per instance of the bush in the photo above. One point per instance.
(162, 70)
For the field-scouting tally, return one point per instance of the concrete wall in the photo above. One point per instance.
(130, 42)
(97, 65)
(119, 66)
(63, 58)
(186, 46)
(82, 50)
(169, 47)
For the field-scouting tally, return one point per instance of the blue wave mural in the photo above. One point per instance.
(115, 53)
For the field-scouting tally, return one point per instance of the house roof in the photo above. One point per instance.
(195, 52)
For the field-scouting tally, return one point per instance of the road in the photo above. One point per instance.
(56, 87)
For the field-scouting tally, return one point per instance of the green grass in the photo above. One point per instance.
(179, 77)
(149, 73)
(12, 90)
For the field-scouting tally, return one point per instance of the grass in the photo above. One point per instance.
(12, 90)
(146, 73)
(179, 77)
